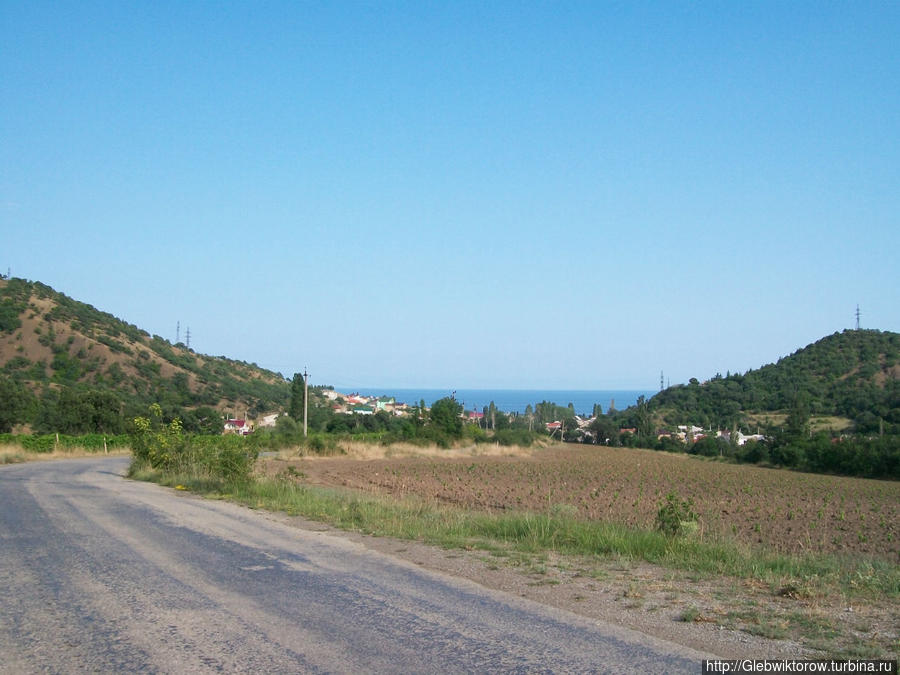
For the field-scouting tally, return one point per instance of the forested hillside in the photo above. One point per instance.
(854, 374)
(68, 367)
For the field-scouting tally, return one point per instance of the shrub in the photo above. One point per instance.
(676, 516)
(228, 458)
(323, 444)
(155, 443)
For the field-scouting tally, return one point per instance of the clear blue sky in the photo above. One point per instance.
(460, 194)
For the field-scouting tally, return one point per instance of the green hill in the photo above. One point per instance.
(66, 366)
(854, 374)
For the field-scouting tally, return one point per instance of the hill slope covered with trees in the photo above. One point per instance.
(68, 367)
(833, 406)
(854, 374)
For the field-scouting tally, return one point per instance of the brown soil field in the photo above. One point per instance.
(780, 510)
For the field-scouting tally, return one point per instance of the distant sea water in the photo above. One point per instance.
(513, 400)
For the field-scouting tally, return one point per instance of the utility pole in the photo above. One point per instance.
(305, 400)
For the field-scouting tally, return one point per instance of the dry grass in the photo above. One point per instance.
(362, 450)
(15, 454)
(830, 423)
(816, 422)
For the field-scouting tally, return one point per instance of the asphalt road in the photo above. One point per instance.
(103, 574)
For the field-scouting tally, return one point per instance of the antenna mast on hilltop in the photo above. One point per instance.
(188, 337)
(177, 332)
(661, 381)
(857, 317)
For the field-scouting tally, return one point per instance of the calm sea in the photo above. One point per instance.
(514, 400)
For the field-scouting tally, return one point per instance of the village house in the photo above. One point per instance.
(738, 437)
(240, 427)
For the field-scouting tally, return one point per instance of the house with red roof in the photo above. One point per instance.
(241, 427)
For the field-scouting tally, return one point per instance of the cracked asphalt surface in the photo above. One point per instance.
(103, 574)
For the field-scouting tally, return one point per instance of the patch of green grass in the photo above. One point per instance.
(860, 649)
(690, 615)
(813, 627)
(773, 630)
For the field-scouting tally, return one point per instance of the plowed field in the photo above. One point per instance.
(781, 510)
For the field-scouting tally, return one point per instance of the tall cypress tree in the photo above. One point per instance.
(297, 394)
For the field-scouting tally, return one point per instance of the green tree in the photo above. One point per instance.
(104, 410)
(203, 420)
(644, 422)
(604, 430)
(797, 422)
(445, 416)
(708, 446)
(285, 426)
(15, 403)
(9, 316)
(501, 420)
(73, 411)
(298, 394)
(418, 418)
